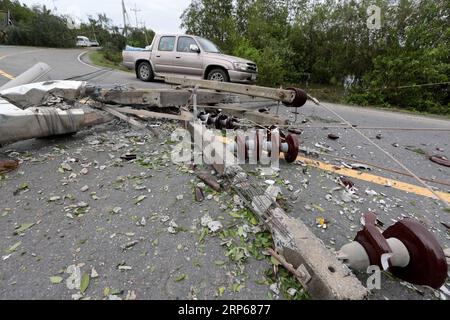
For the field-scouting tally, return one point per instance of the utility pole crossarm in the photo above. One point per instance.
(292, 97)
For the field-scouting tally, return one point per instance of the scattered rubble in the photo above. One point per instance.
(90, 106)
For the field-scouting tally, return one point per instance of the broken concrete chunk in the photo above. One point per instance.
(172, 227)
(66, 167)
(73, 282)
(360, 166)
(273, 192)
(206, 221)
(371, 192)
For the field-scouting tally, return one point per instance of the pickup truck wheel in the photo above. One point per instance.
(218, 75)
(145, 72)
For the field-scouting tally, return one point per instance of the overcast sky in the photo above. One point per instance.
(163, 16)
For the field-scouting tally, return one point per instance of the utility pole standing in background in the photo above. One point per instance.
(136, 10)
(126, 18)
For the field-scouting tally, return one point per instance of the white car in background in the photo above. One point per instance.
(83, 41)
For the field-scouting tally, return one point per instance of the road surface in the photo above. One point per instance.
(171, 266)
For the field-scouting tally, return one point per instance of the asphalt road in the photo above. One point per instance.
(159, 259)
(65, 64)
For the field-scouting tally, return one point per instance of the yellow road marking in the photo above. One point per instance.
(399, 185)
(396, 184)
(6, 75)
(16, 54)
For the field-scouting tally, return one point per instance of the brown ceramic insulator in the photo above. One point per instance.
(240, 142)
(293, 143)
(372, 240)
(427, 264)
(440, 160)
(300, 98)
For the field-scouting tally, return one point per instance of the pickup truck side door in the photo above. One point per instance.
(187, 62)
(163, 54)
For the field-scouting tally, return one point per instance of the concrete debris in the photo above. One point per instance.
(371, 192)
(73, 282)
(214, 226)
(33, 94)
(360, 166)
(55, 108)
(273, 192)
(173, 227)
(94, 273)
(323, 147)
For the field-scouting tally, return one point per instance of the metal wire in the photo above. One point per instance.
(387, 154)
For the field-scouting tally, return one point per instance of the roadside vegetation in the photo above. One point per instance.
(324, 46)
(38, 26)
(328, 44)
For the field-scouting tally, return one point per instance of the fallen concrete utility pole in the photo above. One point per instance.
(17, 124)
(322, 274)
(36, 72)
(159, 97)
(33, 94)
(292, 96)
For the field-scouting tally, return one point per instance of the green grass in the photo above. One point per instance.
(98, 58)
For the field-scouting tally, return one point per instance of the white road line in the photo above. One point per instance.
(86, 64)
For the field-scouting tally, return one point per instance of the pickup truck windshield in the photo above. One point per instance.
(208, 46)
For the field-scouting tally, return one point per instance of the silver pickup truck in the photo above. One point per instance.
(189, 56)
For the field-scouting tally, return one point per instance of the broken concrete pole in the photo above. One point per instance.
(160, 97)
(292, 97)
(34, 93)
(323, 275)
(36, 72)
(17, 124)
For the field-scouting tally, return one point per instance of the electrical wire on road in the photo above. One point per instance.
(447, 205)
(98, 74)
